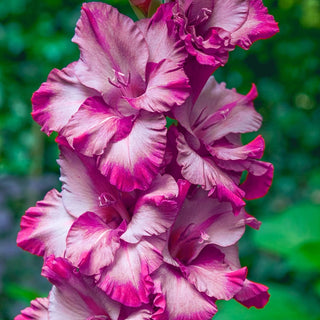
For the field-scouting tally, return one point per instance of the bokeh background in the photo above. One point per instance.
(285, 254)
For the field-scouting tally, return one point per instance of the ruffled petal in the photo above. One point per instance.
(167, 84)
(258, 25)
(44, 228)
(253, 150)
(75, 296)
(133, 162)
(214, 224)
(252, 221)
(229, 112)
(84, 188)
(215, 220)
(229, 15)
(180, 300)
(259, 179)
(38, 310)
(92, 127)
(210, 275)
(107, 57)
(59, 98)
(92, 244)
(204, 172)
(128, 280)
(219, 111)
(155, 211)
(253, 295)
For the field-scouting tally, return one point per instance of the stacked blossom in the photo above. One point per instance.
(148, 220)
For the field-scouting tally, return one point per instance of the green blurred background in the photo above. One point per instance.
(284, 254)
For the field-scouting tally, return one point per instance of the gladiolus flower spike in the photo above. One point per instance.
(147, 222)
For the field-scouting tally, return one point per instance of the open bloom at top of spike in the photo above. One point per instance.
(114, 95)
(211, 28)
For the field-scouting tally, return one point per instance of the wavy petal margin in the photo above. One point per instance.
(173, 291)
(44, 228)
(59, 98)
(133, 162)
(155, 211)
(75, 296)
(38, 310)
(128, 280)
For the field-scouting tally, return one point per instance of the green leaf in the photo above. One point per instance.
(19, 293)
(293, 234)
(307, 256)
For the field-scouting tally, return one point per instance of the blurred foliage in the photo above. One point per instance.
(34, 38)
(285, 254)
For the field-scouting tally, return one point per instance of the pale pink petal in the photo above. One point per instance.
(180, 300)
(160, 36)
(210, 275)
(44, 228)
(204, 172)
(228, 14)
(155, 211)
(92, 127)
(253, 295)
(217, 112)
(128, 280)
(208, 45)
(38, 310)
(84, 188)
(214, 224)
(107, 57)
(231, 256)
(229, 112)
(75, 296)
(215, 220)
(59, 98)
(133, 162)
(167, 84)
(196, 7)
(92, 244)
(258, 25)
(253, 149)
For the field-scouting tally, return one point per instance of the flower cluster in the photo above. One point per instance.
(148, 219)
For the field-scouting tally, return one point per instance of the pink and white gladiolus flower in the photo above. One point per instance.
(198, 264)
(116, 94)
(148, 219)
(100, 230)
(212, 28)
(208, 146)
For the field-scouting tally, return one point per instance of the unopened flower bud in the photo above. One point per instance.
(144, 8)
